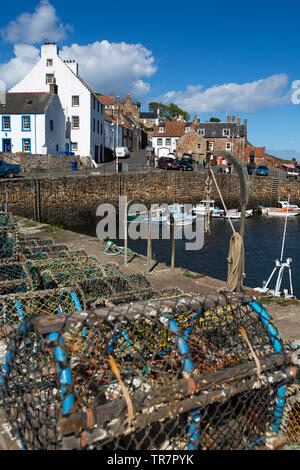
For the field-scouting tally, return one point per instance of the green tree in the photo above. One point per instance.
(168, 112)
(214, 119)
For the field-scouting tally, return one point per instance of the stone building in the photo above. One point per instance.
(193, 144)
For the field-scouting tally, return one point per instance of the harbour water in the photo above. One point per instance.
(263, 241)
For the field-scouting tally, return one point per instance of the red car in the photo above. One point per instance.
(166, 163)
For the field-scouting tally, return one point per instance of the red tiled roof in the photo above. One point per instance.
(172, 129)
(106, 99)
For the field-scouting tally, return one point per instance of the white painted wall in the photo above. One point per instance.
(42, 141)
(69, 84)
(172, 147)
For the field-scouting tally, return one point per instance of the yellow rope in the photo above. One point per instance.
(236, 258)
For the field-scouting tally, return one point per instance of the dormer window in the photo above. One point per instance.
(187, 129)
(226, 132)
(161, 129)
(201, 132)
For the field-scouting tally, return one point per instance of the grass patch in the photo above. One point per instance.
(30, 223)
(188, 274)
(53, 229)
(278, 300)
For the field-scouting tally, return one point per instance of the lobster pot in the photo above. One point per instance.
(14, 278)
(16, 308)
(9, 249)
(197, 373)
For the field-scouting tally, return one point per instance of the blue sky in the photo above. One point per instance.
(211, 58)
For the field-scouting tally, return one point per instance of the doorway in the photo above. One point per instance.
(6, 145)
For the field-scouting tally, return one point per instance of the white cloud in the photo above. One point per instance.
(25, 57)
(231, 97)
(34, 28)
(107, 66)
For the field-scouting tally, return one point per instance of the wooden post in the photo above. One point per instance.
(125, 235)
(149, 244)
(172, 220)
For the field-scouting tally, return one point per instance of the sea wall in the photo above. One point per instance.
(74, 200)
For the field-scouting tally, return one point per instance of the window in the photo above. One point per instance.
(201, 131)
(168, 141)
(74, 146)
(94, 125)
(101, 128)
(51, 125)
(6, 123)
(49, 62)
(75, 100)
(161, 129)
(226, 132)
(26, 147)
(102, 108)
(98, 106)
(98, 127)
(25, 123)
(187, 129)
(49, 78)
(75, 122)
(210, 145)
(94, 103)
(228, 146)
(199, 146)
(159, 141)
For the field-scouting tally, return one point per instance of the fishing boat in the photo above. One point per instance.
(280, 266)
(232, 214)
(286, 210)
(200, 209)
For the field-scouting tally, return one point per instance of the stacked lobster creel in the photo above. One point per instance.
(202, 372)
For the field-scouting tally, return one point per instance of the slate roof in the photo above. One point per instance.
(24, 103)
(148, 115)
(215, 129)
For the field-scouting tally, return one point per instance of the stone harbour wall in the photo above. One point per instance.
(74, 200)
(44, 162)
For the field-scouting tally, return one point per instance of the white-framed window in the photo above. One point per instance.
(75, 100)
(159, 142)
(161, 129)
(26, 145)
(6, 123)
(199, 146)
(201, 131)
(168, 141)
(210, 145)
(228, 145)
(187, 129)
(75, 122)
(226, 132)
(49, 62)
(49, 78)
(74, 146)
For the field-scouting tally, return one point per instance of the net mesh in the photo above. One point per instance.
(90, 360)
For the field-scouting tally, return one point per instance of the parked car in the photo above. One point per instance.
(166, 163)
(9, 170)
(185, 165)
(262, 170)
(187, 157)
(292, 174)
(249, 170)
(122, 152)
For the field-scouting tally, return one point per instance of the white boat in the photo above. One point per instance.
(232, 213)
(200, 209)
(280, 266)
(286, 209)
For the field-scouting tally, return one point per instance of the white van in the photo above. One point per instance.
(122, 152)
